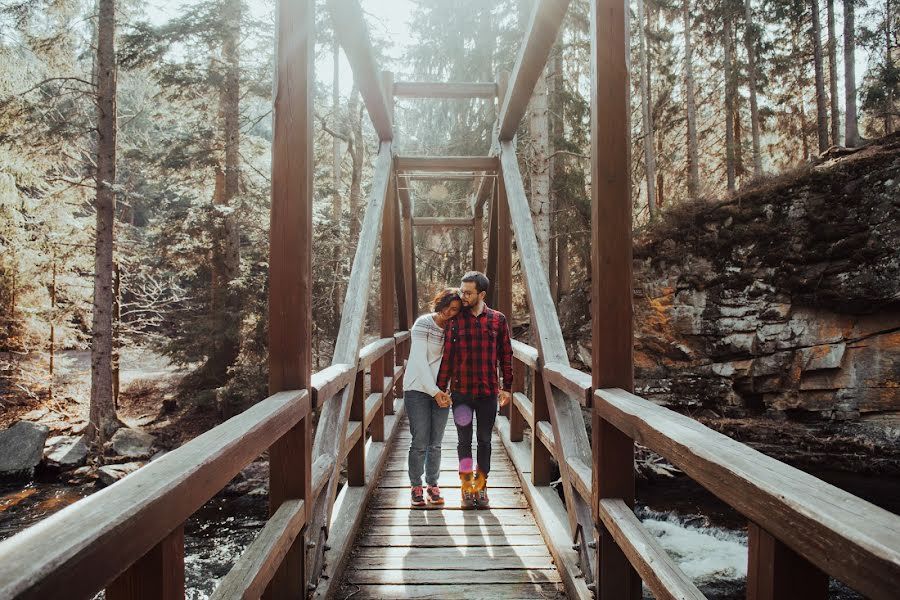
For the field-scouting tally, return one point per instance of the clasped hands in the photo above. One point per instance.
(442, 399)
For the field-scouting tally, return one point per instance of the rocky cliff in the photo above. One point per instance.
(778, 306)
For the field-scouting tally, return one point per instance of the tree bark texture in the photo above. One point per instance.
(851, 127)
(729, 99)
(649, 156)
(750, 42)
(818, 59)
(833, 77)
(356, 148)
(540, 171)
(690, 105)
(337, 207)
(103, 420)
(225, 305)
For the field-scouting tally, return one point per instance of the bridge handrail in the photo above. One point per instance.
(86, 546)
(845, 536)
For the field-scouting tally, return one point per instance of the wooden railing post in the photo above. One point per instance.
(504, 265)
(516, 422)
(541, 458)
(376, 377)
(478, 239)
(159, 574)
(290, 268)
(775, 572)
(356, 457)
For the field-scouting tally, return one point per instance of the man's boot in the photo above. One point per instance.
(481, 497)
(466, 490)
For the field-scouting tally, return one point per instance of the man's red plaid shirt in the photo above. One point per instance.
(474, 348)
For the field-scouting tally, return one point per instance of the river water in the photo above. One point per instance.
(707, 539)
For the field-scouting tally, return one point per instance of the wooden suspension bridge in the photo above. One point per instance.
(128, 539)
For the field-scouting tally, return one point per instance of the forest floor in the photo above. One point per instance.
(149, 384)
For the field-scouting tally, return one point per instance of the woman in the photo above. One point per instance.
(427, 407)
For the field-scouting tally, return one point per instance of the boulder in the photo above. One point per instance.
(66, 451)
(109, 474)
(131, 443)
(21, 448)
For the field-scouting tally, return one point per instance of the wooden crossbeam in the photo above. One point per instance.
(410, 89)
(446, 163)
(565, 410)
(543, 28)
(347, 17)
(443, 222)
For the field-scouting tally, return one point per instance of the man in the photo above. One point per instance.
(477, 343)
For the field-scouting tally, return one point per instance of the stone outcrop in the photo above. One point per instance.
(65, 451)
(109, 474)
(22, 448)
(782, 303)
(131, 443)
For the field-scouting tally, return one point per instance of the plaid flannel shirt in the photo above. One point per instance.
(474, 348)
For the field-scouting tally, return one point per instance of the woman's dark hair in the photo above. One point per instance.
(443, 299)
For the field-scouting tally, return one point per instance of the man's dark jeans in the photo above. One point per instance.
(484, 411)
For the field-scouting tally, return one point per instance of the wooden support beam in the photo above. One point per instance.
(356, 457)
(443, 222)
(565, 411)
(256, 566)
(775, 572)
(485, 188)
(334, 418)
(655, 566)
(446, 163)
(543, 28)
(611, 311)
(410, 89)
(159, 574)
(409, 248)
(503, 283)
(478, 244)
(438, 176)
(290, 269)
(353, 35)
(491, 266)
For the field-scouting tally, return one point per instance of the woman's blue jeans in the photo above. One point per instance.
(427, 422)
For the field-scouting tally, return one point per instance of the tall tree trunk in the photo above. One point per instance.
(750, 43)
(729, 98)
(833, 77)
(227, 258)
(800, 86)
(821, 101)
(52, 325)
(356, 147)
(851, 129)
(103, 420)
(690, 106)
(888, 58)
(540, 175)
(337, 208)
(557, 198)
(649, 156)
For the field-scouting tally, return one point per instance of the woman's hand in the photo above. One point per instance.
(442, 399)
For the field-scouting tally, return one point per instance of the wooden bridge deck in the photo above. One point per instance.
(448, 552)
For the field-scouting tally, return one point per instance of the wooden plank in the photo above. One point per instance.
(543, 27)
(474, 591)
(448, 531)
(525, 353)
(353, 35)
(550, 514)
(491, 267)
(500, 499)
(446, 163)
(478, 244)
(541, 455)
(141, 508)
(414, 554)
(443, 222)
(572, 381)
(523, 404)
(373, 405)
(354, 434)
(452, 561)
(356, 454)
(450, 541)
(656, 568)
(500, 517)
(503, 281)
(159, 574)
(775, 572)
(808, 515)
(349, 509)
(417, 577)
(329, 381)
(517, 419)
(374, 351)
(250, 575)
(425, 89)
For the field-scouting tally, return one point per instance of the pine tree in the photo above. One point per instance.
(851, 131)
(821, 99)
